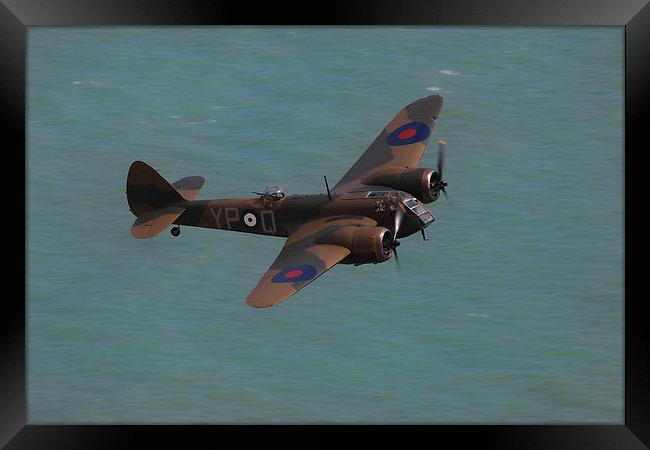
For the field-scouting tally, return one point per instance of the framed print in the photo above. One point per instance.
(513, 319)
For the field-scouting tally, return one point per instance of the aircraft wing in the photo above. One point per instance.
(400, 145)
(302, 260)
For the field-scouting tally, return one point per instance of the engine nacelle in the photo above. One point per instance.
(417, 182)
(366, 244)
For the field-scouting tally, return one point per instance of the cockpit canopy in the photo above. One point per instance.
(274, 193)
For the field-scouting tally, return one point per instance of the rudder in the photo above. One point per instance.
(147, 190)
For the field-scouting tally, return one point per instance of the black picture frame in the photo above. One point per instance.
(634, 15)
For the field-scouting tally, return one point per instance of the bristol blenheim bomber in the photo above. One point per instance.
(359, 221)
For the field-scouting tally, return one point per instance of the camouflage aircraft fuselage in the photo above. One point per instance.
(378, 200)
(281, 217)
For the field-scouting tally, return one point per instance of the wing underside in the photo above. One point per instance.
(399, 146)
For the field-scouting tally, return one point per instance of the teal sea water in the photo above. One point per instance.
(511, 313)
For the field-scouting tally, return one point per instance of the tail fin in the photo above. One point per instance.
(153, 200)
(147, 191)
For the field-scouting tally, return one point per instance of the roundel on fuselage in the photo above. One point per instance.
(249, 218)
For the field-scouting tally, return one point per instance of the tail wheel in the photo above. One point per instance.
(176, 231)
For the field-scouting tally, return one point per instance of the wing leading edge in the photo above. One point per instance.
(400, 145)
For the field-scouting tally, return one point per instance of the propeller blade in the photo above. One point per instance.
(397, 224)
(442, 145)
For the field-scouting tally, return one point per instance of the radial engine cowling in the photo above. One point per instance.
(366, 244)
(417, 182)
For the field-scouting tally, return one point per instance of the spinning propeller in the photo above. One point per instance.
(396, 224)
(437, 184)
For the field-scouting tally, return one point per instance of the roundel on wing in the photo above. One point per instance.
(302, 272)
(409, 133)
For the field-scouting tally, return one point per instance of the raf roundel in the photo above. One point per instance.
(291, 274)
(409, 133)
(250, 219)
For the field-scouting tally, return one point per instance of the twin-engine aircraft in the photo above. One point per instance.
(379, 200)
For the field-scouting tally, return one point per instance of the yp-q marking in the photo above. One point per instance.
(231, 215)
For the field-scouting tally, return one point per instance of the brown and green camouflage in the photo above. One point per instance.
(358, 222)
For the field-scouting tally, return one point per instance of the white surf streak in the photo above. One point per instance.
(478, 315)
(200, 122)
(94, 83)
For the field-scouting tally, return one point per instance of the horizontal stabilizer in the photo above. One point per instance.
(189, 187)
(152, 223)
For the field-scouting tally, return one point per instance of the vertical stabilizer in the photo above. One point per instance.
(147, 190)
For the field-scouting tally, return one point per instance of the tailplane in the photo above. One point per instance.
(189, 187)
(153, 223)
(154, 201)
